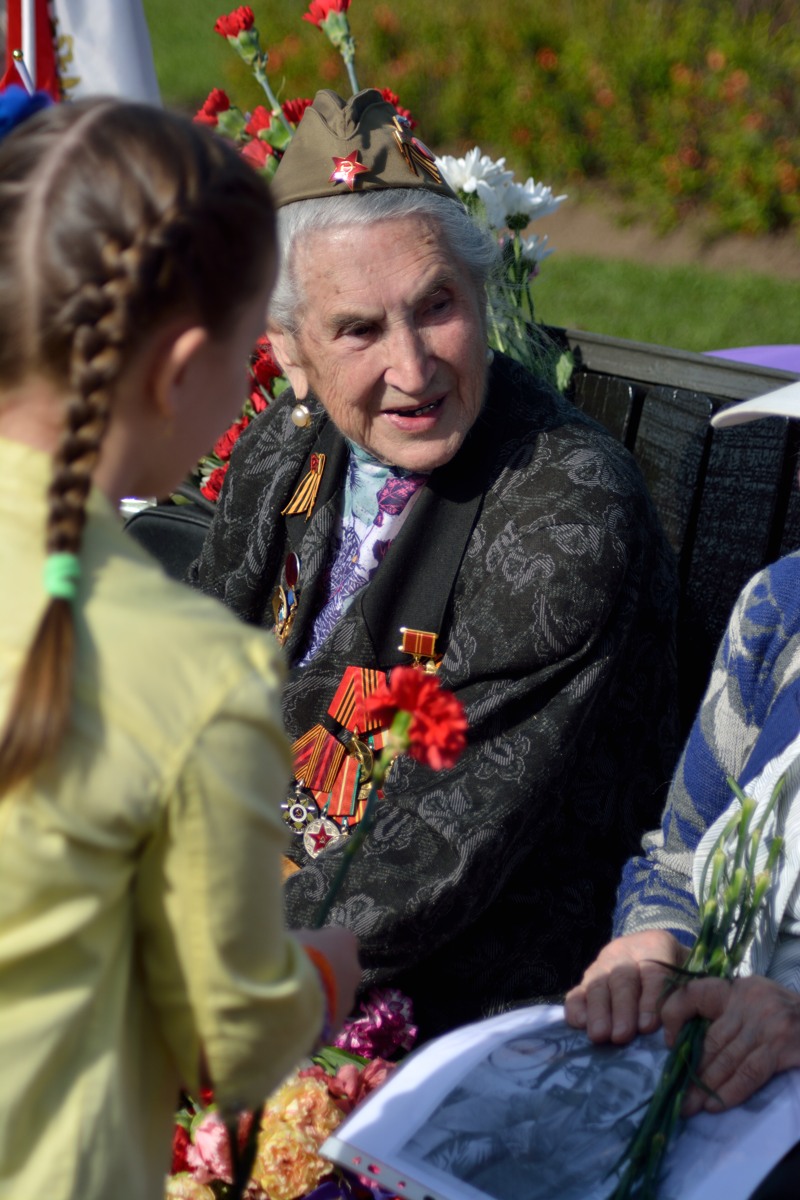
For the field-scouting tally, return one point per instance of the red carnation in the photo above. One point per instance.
(257, 152)
(258, 400)
(260, 118)
(318, 10)
(239, 21)
(213, 485)
(216, 102)
(438, 727)
(294, 109)
(230, 437)
(180, 1143)
(390, 97)
(264, 366)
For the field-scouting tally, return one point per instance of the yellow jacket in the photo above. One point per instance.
(140, 907)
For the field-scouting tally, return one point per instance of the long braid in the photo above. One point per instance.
(96, 323)
(115, 219)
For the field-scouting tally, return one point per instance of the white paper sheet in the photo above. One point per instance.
(523, 1105)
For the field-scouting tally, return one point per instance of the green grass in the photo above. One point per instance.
(685, 307)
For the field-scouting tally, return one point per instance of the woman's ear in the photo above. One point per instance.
(173, 358)
(284, 346)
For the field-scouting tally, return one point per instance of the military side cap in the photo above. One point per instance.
(358, 145)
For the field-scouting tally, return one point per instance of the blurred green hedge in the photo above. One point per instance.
(677, 106)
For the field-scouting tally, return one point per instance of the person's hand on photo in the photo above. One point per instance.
(754, 1034)
(620, 993)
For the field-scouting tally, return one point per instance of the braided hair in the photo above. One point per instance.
(114, 218)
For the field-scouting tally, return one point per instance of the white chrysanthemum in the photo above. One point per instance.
(535, 249)
(493, 200)
(530, 200)
(463, 174)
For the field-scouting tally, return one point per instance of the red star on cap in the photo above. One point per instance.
(347, 170)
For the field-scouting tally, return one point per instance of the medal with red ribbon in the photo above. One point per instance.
(333, 760)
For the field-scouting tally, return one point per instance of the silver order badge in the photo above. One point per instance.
(299, 810)
(319, 834)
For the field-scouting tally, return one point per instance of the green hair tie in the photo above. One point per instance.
(61, 574)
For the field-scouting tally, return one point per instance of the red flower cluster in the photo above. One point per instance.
(260, 118)
(294, 109)
(437, 734)
(215, 103)
(180, 1144)
(257, 152)
(239, 21)
(392, 98)
(318, 10)
(230, 437)
(213, 485)
(263, 365)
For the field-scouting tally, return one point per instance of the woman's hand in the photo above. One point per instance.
(340, 948)
(620, 993)
(754, 1034)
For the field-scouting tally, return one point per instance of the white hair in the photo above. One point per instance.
(474, 247)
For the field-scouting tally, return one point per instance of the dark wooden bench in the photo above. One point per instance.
(726, 497)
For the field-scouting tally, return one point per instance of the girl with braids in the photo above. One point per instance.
(141, 941)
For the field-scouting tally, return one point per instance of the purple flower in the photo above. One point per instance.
(385, 1027)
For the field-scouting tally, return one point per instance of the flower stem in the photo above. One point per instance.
(351, 74)
(261, 76)
(352, 846)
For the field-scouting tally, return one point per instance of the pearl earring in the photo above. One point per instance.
(489, 357)
(301, 416)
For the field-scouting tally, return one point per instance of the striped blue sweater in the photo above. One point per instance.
(750, 712)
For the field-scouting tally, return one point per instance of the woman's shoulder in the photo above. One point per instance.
(552, 454)
(768, 607)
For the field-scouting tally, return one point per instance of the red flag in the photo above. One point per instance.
(30, 30)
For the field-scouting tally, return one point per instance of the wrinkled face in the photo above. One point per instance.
(392, 340)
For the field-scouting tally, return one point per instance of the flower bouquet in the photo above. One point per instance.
(734, 887)
(487, 187)
(295, 1121)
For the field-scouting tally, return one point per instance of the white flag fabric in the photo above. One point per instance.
(103, 46)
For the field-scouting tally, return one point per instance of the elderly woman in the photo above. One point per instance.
(748, 728)
(413, 499)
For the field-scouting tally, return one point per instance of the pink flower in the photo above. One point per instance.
(215, 103)
(437, 732)
(209, 1156)
(385, 1026)
(239, 21)
(318, 10)
(352, 1083)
